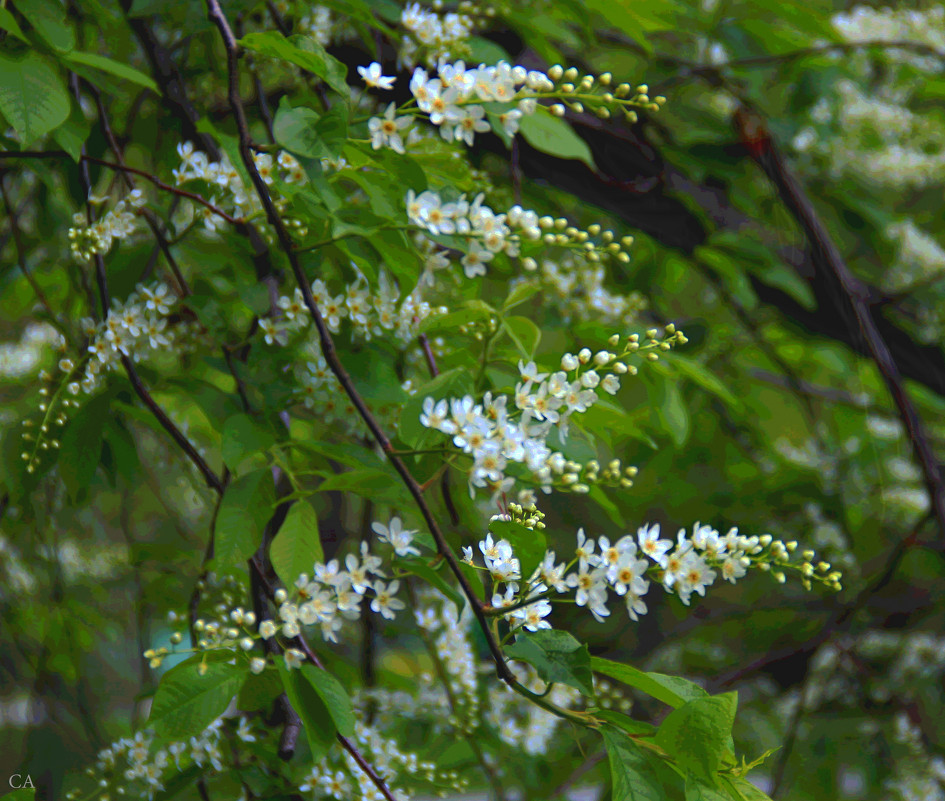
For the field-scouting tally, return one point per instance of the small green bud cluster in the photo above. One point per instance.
(594, 243)
(599, 95)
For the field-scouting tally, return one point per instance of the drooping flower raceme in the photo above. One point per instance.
(628, 566)
(506, 435)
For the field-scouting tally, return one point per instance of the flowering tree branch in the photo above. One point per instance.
(218, 18)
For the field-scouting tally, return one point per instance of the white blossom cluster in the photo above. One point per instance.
(918, 775)
(874, 135)
(627, 566)
(519, 722)
(136, 768)
(508, 430)
(371, 314)
(887, 24)
(338, 775)
(454, 100)
(231, 194)
(133, 329)
(577, 290)
(436, 35)
(488, 233)
(116, 224)
(21, 357)
(920, 257)
(443, 709)
(333, 594)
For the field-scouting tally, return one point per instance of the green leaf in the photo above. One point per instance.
(317, 720)
(557, 657)
(81, 445)
(8, 23)
(188, 700)
(524, 333)
(672, 412)
(33, 97)
(112, 67)
(552, 135)
(743, 789)
(528, 544)
(520, 294)
(259, 690)
(631, 773)
(626, 723)
(302, 51)
(697, 734)
(297, 546)
(700, 374)
(71, 135)
(334, 697)
(420, 568)
(378, 485)
(242, 436)
(668, 689)
(48, 18)
(310, 134)
(21, 794)
(244, 510)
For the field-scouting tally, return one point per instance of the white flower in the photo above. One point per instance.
(373, 77)
(293, 658)
(584, 550)
(468, 554)
(384, 601)
(257, 665)
(652, 545)
(398, 537)
(532, 616)
(244, 732)
(385, 131)
(266, 629)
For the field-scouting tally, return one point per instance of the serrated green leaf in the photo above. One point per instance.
(304, 52)
(697, 734)
(188, 700)
(524, 333)
(557, 656)
(310, 134)
(71, 135)
(33, 97)
(631, 774)
(297, 546)
(626, 723)
(334, 697)
(244, 511)
(552, 135)
(668, 689)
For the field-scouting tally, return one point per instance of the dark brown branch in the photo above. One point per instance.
(213, 481)
(445, 478)
(761, 145)
(218, 18)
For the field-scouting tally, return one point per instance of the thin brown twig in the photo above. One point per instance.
(218, 18)
(165, 187)
(760, 144)
(213, 481)
(182, 287)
